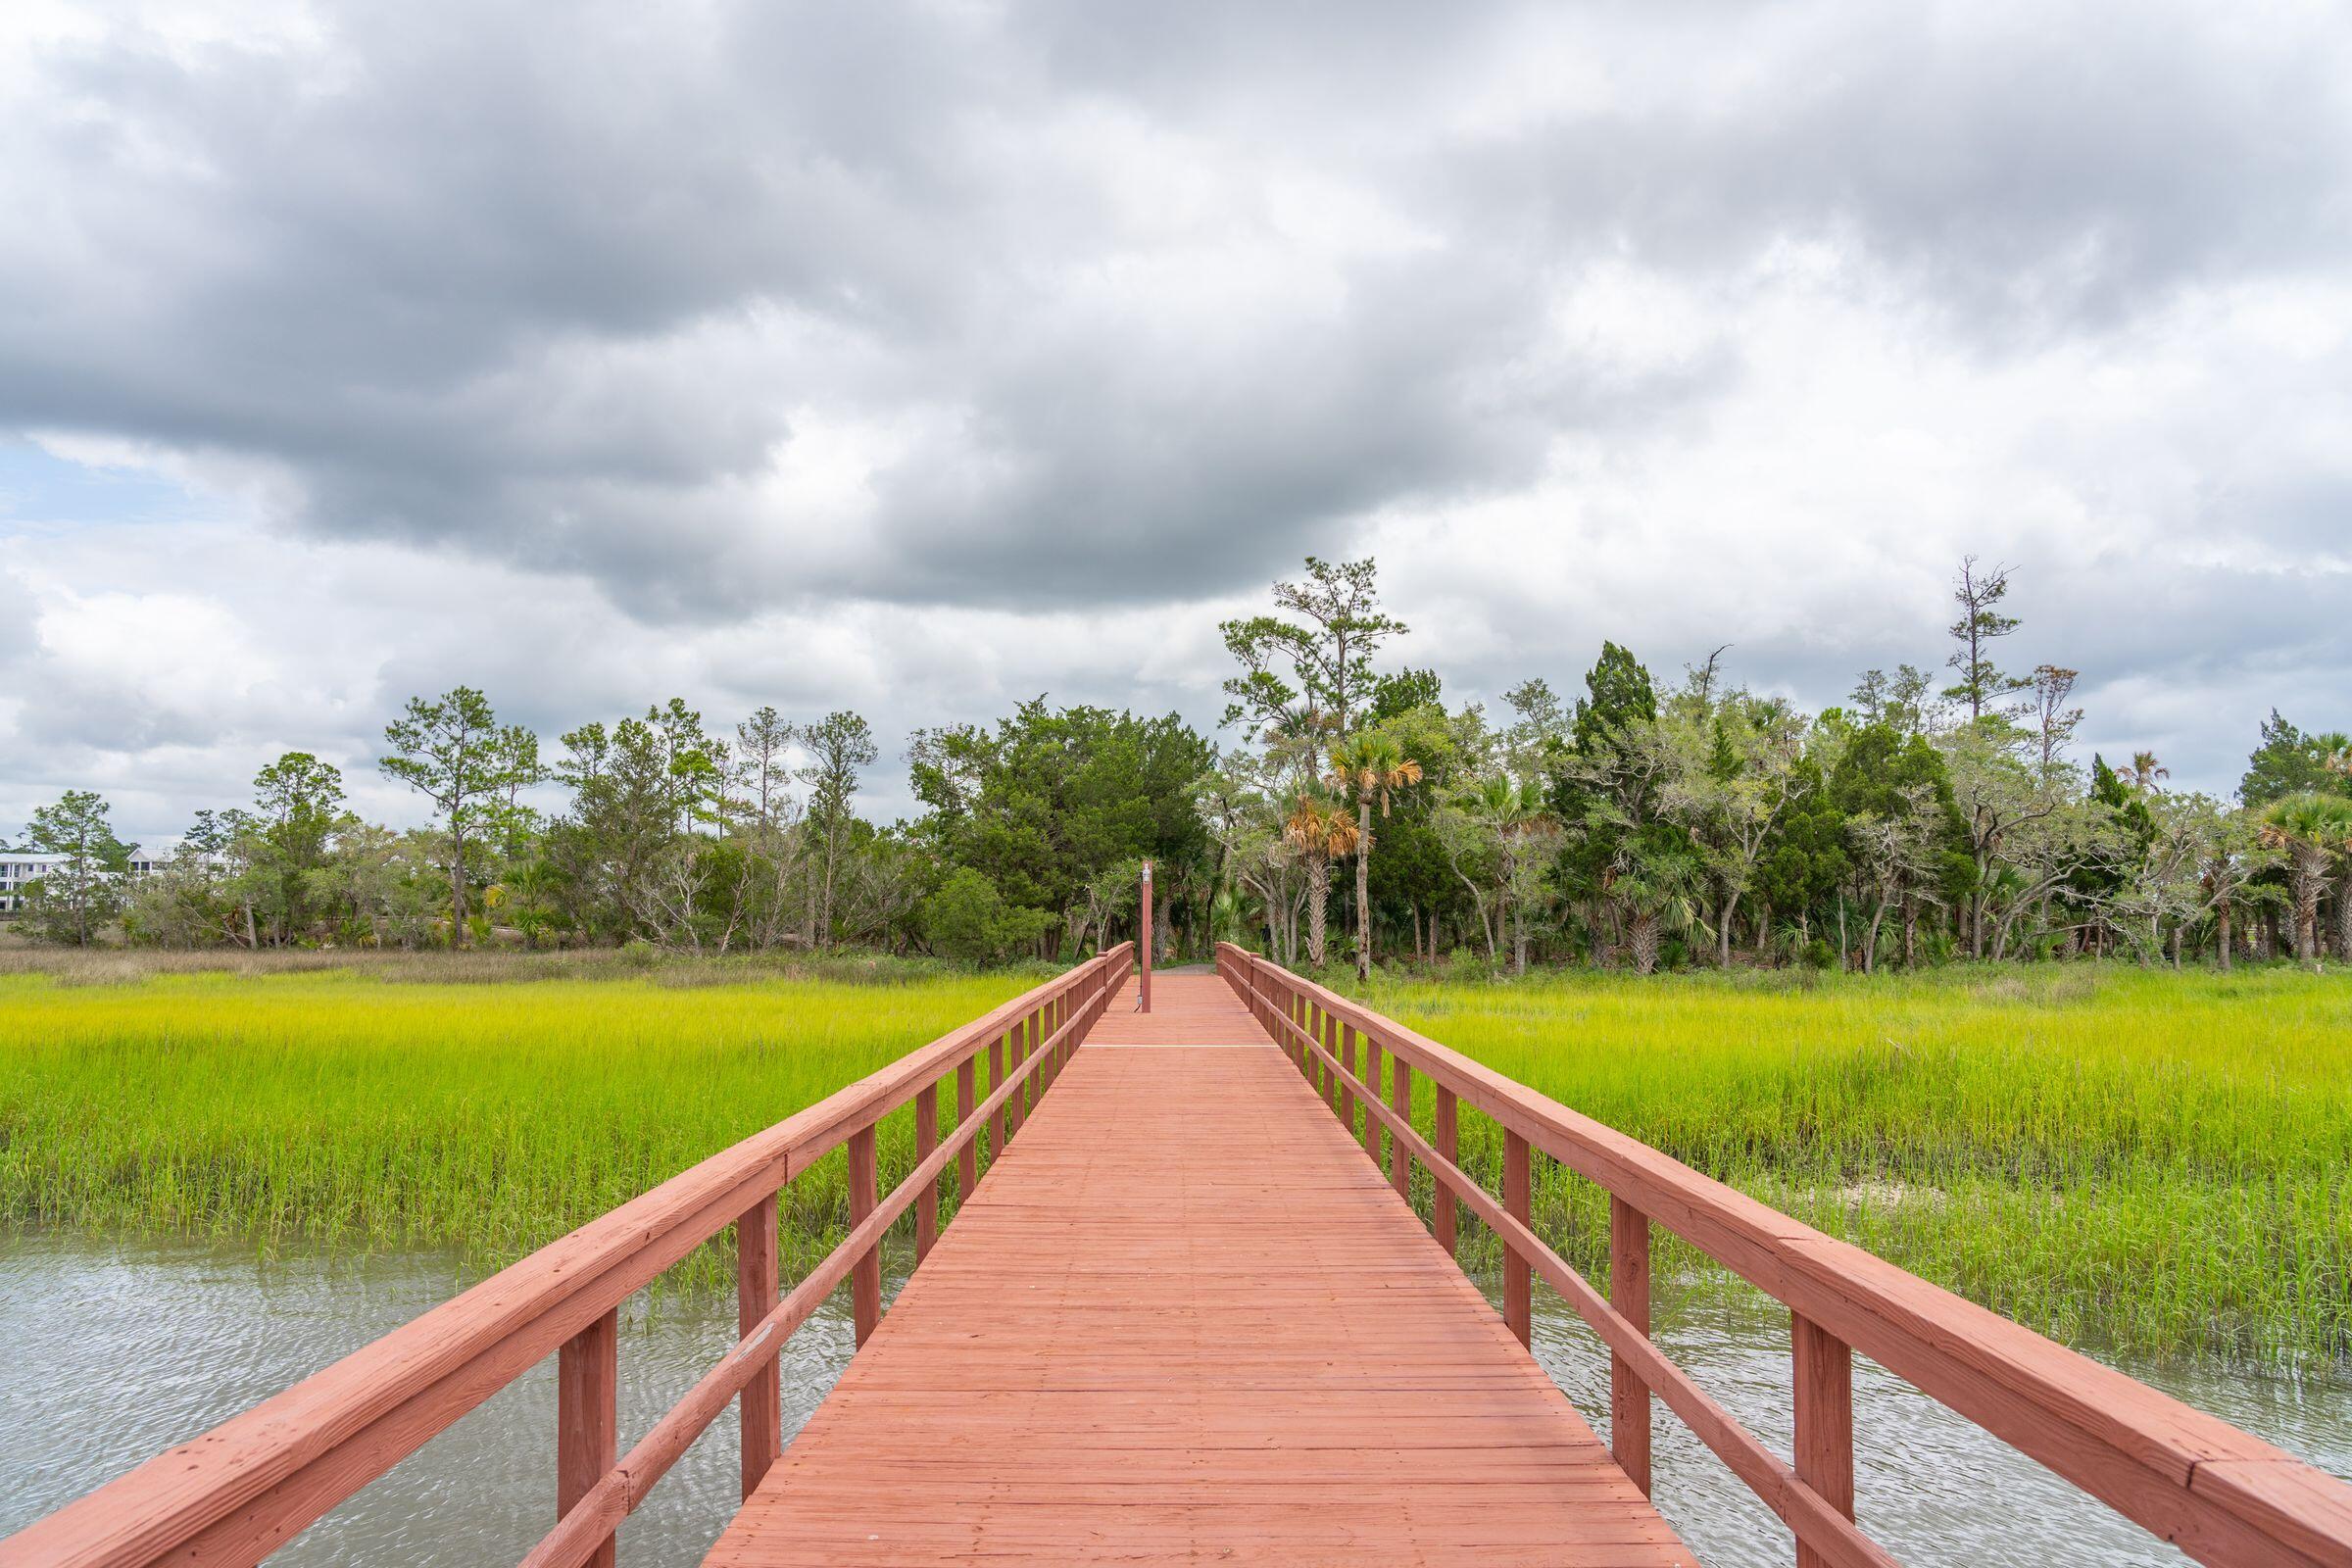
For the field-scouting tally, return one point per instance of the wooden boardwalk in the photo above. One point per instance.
(1185, 1320)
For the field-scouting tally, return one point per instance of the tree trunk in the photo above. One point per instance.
(457, 890)
(1723, 936)
(1643, 936)
(1318, 902)
(1363, 889)
(2220, 917)
(2343, 915)
(1870, 939)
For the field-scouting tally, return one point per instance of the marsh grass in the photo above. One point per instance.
(2157, 1163)
(351, 1106)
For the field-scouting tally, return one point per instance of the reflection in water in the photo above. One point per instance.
(114, 1352)
(1929, 1486)
(117, 1351)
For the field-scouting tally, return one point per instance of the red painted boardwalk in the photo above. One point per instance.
(1185, 1320)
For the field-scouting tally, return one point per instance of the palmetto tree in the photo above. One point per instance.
(1319, 826)
(2313, 829)
(2145, 770)
(1658, 889)
(1371, 766)
(1516, 817)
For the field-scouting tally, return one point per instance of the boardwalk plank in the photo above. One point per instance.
(1183, 1321)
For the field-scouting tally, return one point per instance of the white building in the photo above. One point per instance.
(20, 866)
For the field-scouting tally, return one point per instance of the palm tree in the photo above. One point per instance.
(2313, 829)
(1517, 817)
(1657, 888)
(1371, 765)
(2145, 770)
(1319, 826)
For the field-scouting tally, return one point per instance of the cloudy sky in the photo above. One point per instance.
(920, 359)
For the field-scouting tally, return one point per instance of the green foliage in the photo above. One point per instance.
(968, 919)
(2286, 762)
(1048, 802)
(74, 899)
(1327, 645)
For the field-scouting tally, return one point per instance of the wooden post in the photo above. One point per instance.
(967, 1163)
(926, 1202)
(587, 1390)
(1518, 1283)
(1400, 1100)
(1329, 1037)
(996, 1081)
(1346, 1050)
(1629, 1294)
(1142, 984)
(865, 1277)
(1016, 1104)
(761, 1406)
(1372, 1082)
(1825, 1420)
(1443, 1200)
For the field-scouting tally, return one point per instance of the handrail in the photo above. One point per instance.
(2220, 1495)
(239, 1492)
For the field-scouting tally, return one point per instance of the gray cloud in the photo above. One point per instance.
(1127, 299)
(769, 352)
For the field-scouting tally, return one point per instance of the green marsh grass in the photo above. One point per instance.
(393, 1105)
(2153, 1162)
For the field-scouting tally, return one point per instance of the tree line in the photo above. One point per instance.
(1359, 817)
(1651, 823)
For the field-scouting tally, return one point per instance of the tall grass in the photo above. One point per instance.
(2158, 1163)
(345, 1106)
(2154, 1162)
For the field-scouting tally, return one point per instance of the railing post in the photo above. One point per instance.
(967, 1163)
(1016, 1104)
(1446, 1118)
(1825, 1420)
(1518, 1283)
(1629, 1294)
(865, 1277)
(1346, 1049)
(996, 1122)
(926, 1202)
(587, 1388)
(1400, 1100)
(1372, 1082)
(762, 1405)
(1328, 1036)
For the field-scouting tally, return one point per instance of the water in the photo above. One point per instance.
(1929, 1486)
(116, 1350)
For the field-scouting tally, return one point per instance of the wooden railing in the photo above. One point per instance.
(2220, 1495)
(243, 1490)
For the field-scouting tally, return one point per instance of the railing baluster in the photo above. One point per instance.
(1024, 1034)
(1400, 1100)
(1629, 1294)
(1372, 1083)
(1825, 1420)
(587, 1386)
(865, 1279)
(1518, 1281)
(1448, 1135)
(1329, 1037)
(926, 1202)
(998, 1123)
(967, 1162)
(1346, 1047)
(762, 1405)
